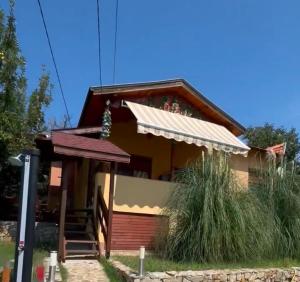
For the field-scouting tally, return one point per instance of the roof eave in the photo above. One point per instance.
(114, 89)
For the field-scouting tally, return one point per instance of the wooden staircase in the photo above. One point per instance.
(81, 233)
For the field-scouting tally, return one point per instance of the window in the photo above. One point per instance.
(138, 167)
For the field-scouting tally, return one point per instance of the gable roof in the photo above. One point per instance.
(177, 85)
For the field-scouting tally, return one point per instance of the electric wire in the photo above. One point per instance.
(54, 62)
(99, 43)
(116, 38)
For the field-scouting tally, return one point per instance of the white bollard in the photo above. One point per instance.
(141, 261)
(46, 264)
(52, 266)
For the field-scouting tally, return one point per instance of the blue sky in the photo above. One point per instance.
(244, 55)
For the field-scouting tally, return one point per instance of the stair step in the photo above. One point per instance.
(77, 216)
(82, 252)
(79, 210)
(78, 232)
(75, 223)
(82, 241)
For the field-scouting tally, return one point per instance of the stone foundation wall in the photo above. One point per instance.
(226, 275)
(45, 232)
(8, 230)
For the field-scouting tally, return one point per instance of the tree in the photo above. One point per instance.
(54, 124)
(40, 98)
(269, 135)
(12, 87)
(21, 115)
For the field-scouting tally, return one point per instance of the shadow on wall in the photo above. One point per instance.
(132, 191)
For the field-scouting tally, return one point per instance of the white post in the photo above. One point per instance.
(141, 262)
(52, 265)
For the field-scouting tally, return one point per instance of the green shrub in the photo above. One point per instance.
(213, 219)
(279, 190)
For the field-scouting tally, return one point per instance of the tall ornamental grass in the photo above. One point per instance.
(278, 189)
(213, 219)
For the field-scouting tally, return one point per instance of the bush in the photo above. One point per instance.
(279, 190)
(212, 219)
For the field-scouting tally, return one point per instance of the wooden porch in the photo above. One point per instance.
(79, 228)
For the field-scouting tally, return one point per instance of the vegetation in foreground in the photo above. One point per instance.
(110, 271)
(7, 253)
(63, 273)
(213, 220)
(155, 263)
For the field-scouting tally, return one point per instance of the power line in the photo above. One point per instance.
(54, 62)
(116, 36)
(99, 43)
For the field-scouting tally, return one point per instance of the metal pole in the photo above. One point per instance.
(26, 218)
(52, 266)
(141, 261)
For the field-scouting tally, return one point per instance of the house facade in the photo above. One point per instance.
(161, 127)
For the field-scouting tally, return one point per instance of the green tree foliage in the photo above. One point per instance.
(21, 114)
(269, 135)
(12, 87)
(40, 97)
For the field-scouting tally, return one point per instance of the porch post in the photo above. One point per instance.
(113, 170)
(63, 204)
(172, 159)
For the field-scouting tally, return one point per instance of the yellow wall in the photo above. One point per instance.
(239, 166)
(144, 195)
(136, 195)
(102, 180)
(157, 148)
(185, 153)
(141, 195)
(257, 159)
(125, 136)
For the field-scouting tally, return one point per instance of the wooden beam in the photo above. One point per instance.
(91, 183)
(113, 170)
(172, 153)
(90, 154)
(79, 131)
(63, 204)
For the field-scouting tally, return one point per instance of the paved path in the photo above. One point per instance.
(81, 270)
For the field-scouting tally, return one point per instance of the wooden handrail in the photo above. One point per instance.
(102, 214)
(103, 206)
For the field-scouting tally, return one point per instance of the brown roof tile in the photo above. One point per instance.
(88, 147)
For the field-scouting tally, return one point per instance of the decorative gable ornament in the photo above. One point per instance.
(106, 122)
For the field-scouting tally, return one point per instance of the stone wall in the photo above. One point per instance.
(45, 232)
(8, 230)
(226, 275)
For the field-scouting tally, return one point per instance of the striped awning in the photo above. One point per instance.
(183, 128)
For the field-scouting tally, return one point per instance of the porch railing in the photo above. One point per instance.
(102, 214)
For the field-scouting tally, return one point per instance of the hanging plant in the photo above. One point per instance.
(106, 122)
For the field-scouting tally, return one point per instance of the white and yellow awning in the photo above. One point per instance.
(182, 128)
